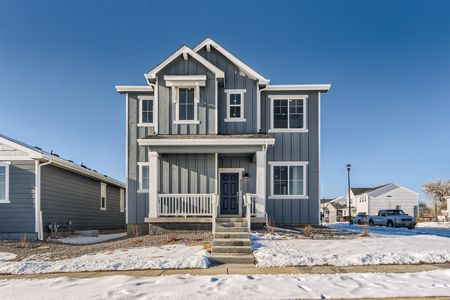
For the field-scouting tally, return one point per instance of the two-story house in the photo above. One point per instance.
(207, 136)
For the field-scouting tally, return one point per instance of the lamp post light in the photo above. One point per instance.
(349, 196)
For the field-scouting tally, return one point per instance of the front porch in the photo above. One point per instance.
(197, 180)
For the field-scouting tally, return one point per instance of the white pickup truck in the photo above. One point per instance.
(392, 218)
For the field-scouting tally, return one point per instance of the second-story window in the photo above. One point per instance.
(186, 104)
(146, 110)
(235, 106)
(288, 113)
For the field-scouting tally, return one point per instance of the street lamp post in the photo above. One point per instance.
(349, 196)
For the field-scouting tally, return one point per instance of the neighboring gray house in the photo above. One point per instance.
(388, 196)
(38, 188)
(207, 133)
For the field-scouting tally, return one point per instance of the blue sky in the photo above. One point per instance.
(388, 61)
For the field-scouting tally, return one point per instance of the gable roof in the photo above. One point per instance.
(185, 50)
(39, 154)
(239, 63)
(360, 191)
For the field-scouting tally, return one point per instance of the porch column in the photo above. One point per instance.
(261, 183)
(154, 184)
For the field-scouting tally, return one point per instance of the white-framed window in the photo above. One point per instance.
(235, 105)
(288, 180)
(144, 177)
(102, 196)
(4, 182)
(146, 111)
(288, 113)
(186, 106)
(122, 200)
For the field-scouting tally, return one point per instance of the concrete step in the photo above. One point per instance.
(233, 258)
(231, 224)
(231, 219)
(231, 229)
(232, 242)
(231, 235)
(232, 249)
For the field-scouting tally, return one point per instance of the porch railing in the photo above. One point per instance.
(185, 205)
(253, 204)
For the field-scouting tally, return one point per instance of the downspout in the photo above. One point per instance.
(258, 105)
(38, 216)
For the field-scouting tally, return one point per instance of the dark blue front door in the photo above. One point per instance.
(229, 193)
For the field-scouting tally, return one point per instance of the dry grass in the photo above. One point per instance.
(308, 231)
(365, 232)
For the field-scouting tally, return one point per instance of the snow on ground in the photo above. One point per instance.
(4, 256)
(352, 285)
(433, 225)
(166, 257)
(83, 240)
(405, 247)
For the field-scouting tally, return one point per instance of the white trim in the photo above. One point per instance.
(185, 77)
(103, 194)
(153, 185)
(304, 164)
(17, 157)
(122, 200)
(261, 178)
(206, 142)
(240, 194)
(140, 179)
(287, 98)
(184, 50)
(126, 158)
(176, 100)
(6, 165)
(122, 89)
(240, 64)
(299, 87)
(186, 122)
(258, 109)
(141, 99)
(241, 92)
(318, 159)
(216, 107)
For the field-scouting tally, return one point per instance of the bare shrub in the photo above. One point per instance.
(24, 242)
(365, 232)
(308, 231)
(136, 230)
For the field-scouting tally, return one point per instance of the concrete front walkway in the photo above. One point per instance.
(229, 269)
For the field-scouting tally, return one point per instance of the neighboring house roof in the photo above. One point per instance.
(185, 50)
(208, 42)
(364, 190)
(39, 154)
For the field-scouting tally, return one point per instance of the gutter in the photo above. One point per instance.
(38, 212)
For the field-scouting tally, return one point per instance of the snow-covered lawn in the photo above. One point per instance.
(433, 225)
(172, 256)
(384, 246)
(432, 283)
(83, 240)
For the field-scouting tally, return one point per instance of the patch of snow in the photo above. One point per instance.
(4, 256)
(83, 240)
(165, 257)
(352, 285)
(374, 250)
(433, 225)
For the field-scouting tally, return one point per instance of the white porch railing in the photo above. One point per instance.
(185, 204)
(253, 204)
(250, 208)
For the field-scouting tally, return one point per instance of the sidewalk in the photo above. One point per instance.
(229, 269)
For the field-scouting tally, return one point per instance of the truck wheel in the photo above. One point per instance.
(390, 224)
(359, 222)
(371, 223)
(411, 227)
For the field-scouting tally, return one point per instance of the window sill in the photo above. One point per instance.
(287, 130)
(288, 197)
(143, 191)
(5, 201)
(187, 122)
(102, 208)
(145, 125)
(235, 120)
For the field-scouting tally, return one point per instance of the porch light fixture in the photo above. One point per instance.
(246, 176)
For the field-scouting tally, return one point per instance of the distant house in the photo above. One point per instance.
(335, 210)
(38, 188)
(388, 196)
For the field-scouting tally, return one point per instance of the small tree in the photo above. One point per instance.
(437, 191)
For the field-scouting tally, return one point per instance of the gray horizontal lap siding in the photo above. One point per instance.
(206, 107)
(19, 215)
(233, 80)
(68, 196)
(295, 146)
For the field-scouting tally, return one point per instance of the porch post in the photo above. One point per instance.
(261, 183)
(154, 184)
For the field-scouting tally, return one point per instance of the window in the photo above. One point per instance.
(145, 110)
(144, 176)
(103, 196)
(122, 200)
(4, 182)
(235, 106)
(187, 105)
(288, 180)
(288, 113)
